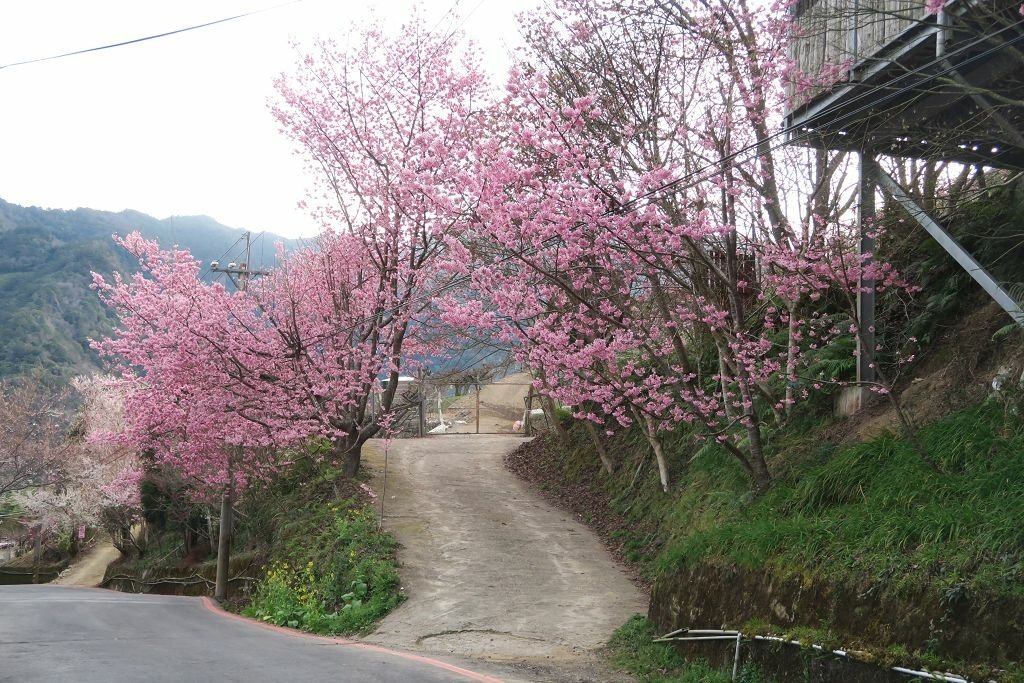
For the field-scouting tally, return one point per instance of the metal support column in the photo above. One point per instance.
(866, 286)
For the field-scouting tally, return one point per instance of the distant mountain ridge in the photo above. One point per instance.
(48, 312)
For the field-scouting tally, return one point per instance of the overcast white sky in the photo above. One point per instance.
(178, 125)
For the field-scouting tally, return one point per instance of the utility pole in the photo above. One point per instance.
(422, 424)
(243, 271)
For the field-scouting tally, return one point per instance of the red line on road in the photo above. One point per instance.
(472, 675)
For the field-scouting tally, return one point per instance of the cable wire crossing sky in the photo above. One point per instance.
(175, 122)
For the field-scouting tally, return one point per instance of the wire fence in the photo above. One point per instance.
(426, 407)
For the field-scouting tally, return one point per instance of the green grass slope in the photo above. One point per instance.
(862, 518)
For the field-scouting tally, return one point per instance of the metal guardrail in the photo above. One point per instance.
(684, 635)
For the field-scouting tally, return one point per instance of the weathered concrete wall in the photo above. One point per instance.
(958, 626)
(12, 576)
(785, 662)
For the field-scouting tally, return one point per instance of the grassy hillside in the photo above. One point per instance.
(858, 543)
(870, 510)
(868, 515)
(47, 311)
(854, 510)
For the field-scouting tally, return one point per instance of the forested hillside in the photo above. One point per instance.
(47, 311)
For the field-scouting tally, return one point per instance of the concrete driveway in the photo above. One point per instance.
(493, 572)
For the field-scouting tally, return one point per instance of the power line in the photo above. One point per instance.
(151, 37)
(222, 256)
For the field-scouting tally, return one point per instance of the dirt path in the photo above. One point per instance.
(89, 570)
(492, 571)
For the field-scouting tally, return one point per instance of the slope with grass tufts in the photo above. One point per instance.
(859, 545)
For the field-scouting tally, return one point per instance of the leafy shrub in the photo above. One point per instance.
(350, 582)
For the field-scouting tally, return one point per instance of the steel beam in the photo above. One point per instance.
(954, 248)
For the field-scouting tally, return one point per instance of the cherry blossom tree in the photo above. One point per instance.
(627, 212)
(219, 378)
(194, 359)
(191, 355)
(99, 479)
(388, 128)
(33, 428)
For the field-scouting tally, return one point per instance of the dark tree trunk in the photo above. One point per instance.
(74, 550)
(602, 452)
(348, 453)
(351, 462)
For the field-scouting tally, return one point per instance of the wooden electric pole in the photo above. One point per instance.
(243, 272)
(421, 429)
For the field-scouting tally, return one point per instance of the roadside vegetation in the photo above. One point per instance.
(854, 510)
(331, 569)
(309, 550)
(631, 650)
(868, 514)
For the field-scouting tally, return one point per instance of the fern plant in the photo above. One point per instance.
(835, 362)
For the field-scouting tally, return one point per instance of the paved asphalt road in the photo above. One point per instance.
(61, 633)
